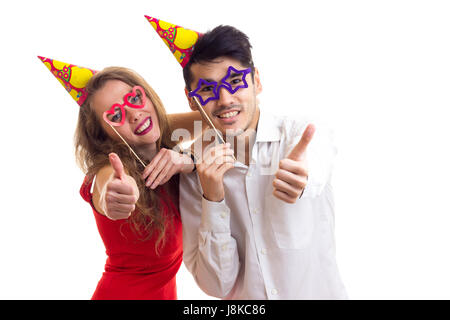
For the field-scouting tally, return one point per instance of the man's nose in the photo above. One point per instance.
(225, 97)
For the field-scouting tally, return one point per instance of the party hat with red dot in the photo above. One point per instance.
(179, 40)
(73, 78)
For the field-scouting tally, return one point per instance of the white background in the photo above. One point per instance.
(377, 72)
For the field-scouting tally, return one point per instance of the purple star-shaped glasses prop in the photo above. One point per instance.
(207, 91)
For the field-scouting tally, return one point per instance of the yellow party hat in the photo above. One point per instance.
(72, 77)
(179, 40)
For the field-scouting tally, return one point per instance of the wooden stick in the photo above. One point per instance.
(203, 112)
(131, 149)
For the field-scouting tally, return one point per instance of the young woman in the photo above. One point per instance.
(136, 208)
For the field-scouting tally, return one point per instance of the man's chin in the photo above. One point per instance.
(233, 132)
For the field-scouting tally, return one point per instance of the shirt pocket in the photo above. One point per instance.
(292, 224)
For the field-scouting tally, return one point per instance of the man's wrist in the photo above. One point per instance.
(189, 167)
(193, 162)
(213, 199)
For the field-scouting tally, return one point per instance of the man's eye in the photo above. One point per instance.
(207, 88)
(236, 81)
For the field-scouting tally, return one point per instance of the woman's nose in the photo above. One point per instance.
(134, 115)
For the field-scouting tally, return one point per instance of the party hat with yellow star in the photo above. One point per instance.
(73, 78)
(179, 40)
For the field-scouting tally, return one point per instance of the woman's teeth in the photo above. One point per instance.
(228, 115)
(144, 126)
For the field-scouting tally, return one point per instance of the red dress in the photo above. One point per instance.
(133, 269)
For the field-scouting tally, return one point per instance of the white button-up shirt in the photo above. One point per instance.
(252, 245)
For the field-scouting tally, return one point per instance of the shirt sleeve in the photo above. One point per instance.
(209, 251)
(320, 155)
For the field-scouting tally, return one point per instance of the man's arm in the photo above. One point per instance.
(318, 157)
(292, 175)
(209, 251)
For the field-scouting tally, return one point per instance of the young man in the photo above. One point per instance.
(257, 213)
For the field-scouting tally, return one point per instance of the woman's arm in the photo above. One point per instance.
(115, 193)
(187, 121)
(164, 165)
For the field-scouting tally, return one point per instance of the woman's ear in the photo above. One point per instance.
(190, 101)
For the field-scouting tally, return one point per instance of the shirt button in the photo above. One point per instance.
(274, 292)
(263, 251)
(249, 174)
(224, 247)
(255, 210)
(224, 214)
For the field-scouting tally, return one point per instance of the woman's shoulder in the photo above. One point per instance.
(86, 188)
(101, 177)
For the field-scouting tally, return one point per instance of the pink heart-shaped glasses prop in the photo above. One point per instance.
(135, 99)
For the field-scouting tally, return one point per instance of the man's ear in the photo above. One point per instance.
(257, 82)
(190, 101)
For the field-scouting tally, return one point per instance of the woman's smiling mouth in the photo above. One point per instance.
(144, 127)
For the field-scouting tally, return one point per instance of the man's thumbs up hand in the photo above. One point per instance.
(300, 147)
(292, 175)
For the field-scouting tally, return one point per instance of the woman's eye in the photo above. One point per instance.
(117, 117)
(135, 100)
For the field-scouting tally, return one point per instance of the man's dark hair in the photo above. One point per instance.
(222, 41)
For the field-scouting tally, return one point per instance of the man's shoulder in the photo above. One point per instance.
(286, 125)
(290, 128)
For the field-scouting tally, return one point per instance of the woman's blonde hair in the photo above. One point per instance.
(92, 146)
